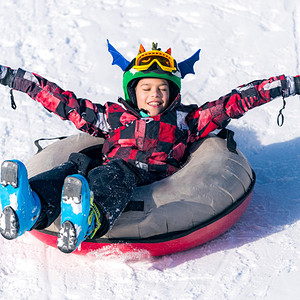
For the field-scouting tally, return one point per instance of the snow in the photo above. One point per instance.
(65, 41)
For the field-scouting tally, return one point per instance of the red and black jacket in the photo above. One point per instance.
(157, 144)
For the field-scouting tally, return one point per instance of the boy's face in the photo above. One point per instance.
(152, 95)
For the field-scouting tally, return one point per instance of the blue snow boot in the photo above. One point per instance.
(80, 218)
(20, 205)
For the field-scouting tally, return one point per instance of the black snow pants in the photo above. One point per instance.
(112, 185)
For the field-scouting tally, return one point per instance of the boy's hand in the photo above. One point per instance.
(5, 75)
(297, 84)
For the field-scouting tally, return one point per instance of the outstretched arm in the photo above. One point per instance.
(85, 115)
(217, 114)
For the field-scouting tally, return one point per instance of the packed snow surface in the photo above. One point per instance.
(65, 41)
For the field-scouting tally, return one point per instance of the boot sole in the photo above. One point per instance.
(9, 220)
(9, 223)
(67, 241)
(72, 190)
(9, 174)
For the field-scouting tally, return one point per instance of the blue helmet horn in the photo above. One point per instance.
(118, 58)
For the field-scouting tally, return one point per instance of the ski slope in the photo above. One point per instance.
(65, 41)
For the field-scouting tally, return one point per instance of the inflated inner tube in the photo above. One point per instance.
(213, 182)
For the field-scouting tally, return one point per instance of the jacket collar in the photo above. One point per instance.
(135, 111)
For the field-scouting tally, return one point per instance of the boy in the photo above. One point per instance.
(147, 138)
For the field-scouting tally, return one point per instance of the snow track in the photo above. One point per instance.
(65, 41)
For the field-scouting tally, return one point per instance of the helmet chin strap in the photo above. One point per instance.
(131, 92)
(144, 113)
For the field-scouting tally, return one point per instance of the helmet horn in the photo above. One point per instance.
(118, 58)
(187, 66)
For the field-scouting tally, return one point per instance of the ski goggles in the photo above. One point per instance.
(144, 60)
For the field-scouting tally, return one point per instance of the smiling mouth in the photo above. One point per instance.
(154, 103)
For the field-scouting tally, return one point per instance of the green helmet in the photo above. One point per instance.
(152, 64)
(130, 80)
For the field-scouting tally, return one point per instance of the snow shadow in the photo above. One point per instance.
(275, 203)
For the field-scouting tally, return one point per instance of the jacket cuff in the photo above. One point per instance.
(6, 75)
(297, 84)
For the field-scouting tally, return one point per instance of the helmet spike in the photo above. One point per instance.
(155, 46)
(169, 51)
(141, 49)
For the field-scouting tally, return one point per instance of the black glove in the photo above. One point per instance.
(297, 85)
(6, 75)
